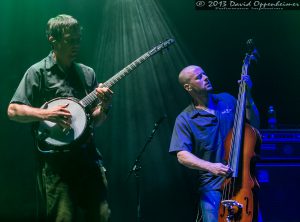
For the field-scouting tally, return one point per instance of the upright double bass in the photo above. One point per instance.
(239, 203)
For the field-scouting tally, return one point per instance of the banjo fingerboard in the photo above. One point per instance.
(92, 97)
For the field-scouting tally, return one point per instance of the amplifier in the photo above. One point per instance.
(279, 191)
(280, 145)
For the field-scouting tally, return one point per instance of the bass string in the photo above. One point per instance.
(228, 191)
(229, 188)
(237, 123)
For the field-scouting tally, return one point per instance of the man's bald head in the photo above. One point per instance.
(194, 80)
(186, 74)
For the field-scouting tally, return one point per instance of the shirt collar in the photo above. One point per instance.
(51, 62)
(194, 112)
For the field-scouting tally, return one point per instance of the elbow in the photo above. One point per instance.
(11, 111)
(99, 120)
(181, 157)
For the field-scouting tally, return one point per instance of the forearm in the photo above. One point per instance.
(191, 161)
(99, 115)
(24, 113)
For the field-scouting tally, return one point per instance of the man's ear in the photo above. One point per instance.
(51, 39)
(187, 87)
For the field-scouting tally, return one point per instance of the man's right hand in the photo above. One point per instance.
(60, 115)
(220, 169)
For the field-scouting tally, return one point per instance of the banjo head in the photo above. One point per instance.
(52, 134)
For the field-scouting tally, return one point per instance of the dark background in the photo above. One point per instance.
(116, 33)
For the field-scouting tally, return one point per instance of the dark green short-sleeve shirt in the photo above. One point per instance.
(44, 81)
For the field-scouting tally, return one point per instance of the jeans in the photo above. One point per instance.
(209, 205)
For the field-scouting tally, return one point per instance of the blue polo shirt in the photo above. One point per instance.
(203, 133)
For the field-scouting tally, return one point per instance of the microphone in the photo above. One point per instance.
(158, 122)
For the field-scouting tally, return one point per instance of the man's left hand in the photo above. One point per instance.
(247, 80)
(104, 94)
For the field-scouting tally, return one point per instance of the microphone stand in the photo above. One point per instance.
(135, 169)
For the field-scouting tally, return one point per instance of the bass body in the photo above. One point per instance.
(239, 202)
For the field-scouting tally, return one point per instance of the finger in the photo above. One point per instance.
(226, 168)
(66, 117)
(63, 109)
(65, 112)
(64, 124)
(65, 106)
(109, 91)
(246, 78)
(222, 173)
(101, 89)
(100, 95)
(105, 94)
(229, 172)
(68, 121)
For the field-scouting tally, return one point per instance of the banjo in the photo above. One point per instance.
(52, 138)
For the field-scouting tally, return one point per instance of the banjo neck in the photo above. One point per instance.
(92, 98)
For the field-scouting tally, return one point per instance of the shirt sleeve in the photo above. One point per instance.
(91, 80)
(88, 76)
(181, 137)
(232, 101)
(94, 80)
(28, 88)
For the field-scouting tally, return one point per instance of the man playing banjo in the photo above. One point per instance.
(72, 184)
